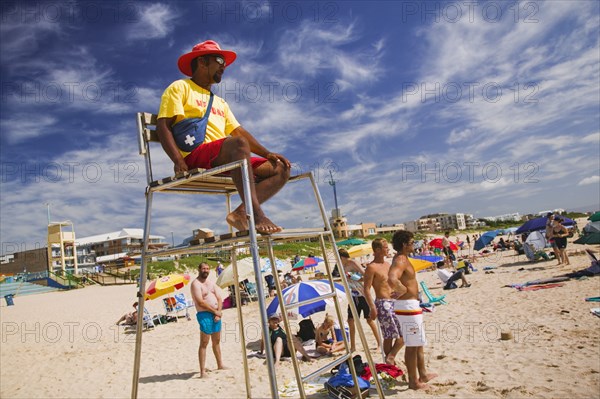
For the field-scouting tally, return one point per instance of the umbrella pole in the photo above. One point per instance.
(141, 297)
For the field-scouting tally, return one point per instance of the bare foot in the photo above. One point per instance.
(307, 359)
(265, 226)
(203, 374)
(428, 377)
(389, 359)
(237, 221)
(418, 386)
(223, 368)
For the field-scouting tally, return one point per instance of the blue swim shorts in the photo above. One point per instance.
(207, 322)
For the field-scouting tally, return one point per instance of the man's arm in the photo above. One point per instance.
(259, 149)
(368, 282)
(219, 299)
(396, 271)
(354, 267)
(165, 135)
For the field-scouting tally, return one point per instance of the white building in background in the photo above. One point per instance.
(443, 222)
(509, 217)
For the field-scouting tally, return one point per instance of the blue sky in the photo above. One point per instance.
(415, 107)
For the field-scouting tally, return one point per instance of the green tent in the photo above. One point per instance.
(595, 217)
(591, 238)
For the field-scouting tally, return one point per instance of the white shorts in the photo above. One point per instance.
(410, 315)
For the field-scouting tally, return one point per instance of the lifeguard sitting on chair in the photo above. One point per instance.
(202, 143)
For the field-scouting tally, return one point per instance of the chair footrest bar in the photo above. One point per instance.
(328, 366)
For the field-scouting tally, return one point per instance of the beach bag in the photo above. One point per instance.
(341, 385)
(189, 133)
(307, 330)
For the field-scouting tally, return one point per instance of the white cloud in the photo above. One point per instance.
(20, 127)
(156, 21)
(589, 180)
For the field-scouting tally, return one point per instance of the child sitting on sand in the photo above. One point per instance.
(325, 345)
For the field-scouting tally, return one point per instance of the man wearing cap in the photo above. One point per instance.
(224, 141)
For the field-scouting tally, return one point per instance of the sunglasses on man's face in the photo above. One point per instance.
(220, 60)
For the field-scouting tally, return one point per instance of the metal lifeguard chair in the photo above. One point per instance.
(200, 181)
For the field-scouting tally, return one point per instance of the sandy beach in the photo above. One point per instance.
(66, 344)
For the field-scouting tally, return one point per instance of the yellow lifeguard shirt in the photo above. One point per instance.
(185, 99)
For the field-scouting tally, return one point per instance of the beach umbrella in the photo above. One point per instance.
(360, 250)
(279, 264)
(351, 241)
(165, 285)
(304, 291)
(309, 261)
(437, 243)
(429, 258)
(485, 239)
(539, 224)
(245, 269)
(595, 217)
(591, 238)
(420, 264)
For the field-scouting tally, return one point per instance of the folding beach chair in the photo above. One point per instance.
(182, 304)
(148, 319)
(430, 297)
(251, 290)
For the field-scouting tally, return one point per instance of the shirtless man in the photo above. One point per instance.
(208, 304)
(355, 284)
(403, 282)
(376, 276)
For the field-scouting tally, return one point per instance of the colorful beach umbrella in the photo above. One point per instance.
(165, 285)
(437, 243)
(309, 261)
(304, 291)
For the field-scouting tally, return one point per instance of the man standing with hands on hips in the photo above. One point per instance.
(191, 141)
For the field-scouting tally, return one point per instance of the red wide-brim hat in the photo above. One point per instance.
(207, 47)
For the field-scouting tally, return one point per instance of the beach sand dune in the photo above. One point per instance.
(65, 344)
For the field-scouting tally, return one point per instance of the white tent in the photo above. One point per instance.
(536, 238)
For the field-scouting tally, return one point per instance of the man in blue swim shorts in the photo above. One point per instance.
(209, 306)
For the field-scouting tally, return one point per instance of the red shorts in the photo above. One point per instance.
(204, 155)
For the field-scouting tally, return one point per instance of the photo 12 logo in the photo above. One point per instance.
(69, 172)
(473, 172)
(470, 11)
(453, 92)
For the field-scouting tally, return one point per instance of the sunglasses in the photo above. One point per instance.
(220, 60)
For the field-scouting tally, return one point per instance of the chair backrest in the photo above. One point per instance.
(181, 301)
(146, 123)
(426, 290)
(169, 303)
